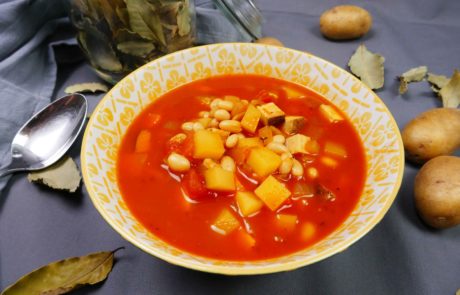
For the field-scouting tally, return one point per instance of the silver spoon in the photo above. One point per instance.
(46, 137)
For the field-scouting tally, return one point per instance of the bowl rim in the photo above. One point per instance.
(247, 269)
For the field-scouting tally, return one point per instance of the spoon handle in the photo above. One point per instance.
(10, 168)
(5, 171)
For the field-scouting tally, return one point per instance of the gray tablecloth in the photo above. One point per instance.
(399, 256)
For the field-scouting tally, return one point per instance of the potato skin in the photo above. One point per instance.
(432, 133)
(345, 22)
(437, 192)
(269, 41)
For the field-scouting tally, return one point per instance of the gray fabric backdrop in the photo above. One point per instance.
(399, 256)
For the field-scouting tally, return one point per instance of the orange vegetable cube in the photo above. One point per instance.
(249, 142)
(312, 147)
(248, 203)
(251, 119)
(335, 149)
(286, 221)
(207, 144)
(265, 134)
(225, 223)
(219, 179)
(143, 141)
(272, 193)
(328, 161)
(246, 239)
(263, 161)
(307, 231)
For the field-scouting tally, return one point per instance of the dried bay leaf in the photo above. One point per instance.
(63, 175)
(137, 23)
(437, 81)
(183, 19)
(368, 67)
(65, 275)
(144, 20)
(450, 93)
(97, 47)
(136, 48)
(413, 75)
(86, 87)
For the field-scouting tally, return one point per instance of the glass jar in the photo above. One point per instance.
(244, 16)
(118, 36)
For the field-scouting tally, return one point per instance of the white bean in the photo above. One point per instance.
(277, 147)
(279, 138)
(230, 125)
(286, 166)
(215, 103)
(197, 126)
(187, 126)
(178, 162)
(209, 163)
(228, 163)
(232, 141)
(214, 123)
(221, 115)
(225, 104)
(286, 155)
(297, 168)
(203, 114)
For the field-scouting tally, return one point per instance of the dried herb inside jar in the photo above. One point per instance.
(120, 35)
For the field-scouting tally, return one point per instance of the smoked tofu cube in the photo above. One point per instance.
(263, 161)
(143, 142)
(219, 179)
(272, 192)
(329, 113)
(286, 221)
(293, 124)
(271, 114)
(248, 203)
(249, 142)
(207, 144)
(225, 223)
(297, 144)
(251, 119)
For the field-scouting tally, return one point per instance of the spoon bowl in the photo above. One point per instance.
(47, 136)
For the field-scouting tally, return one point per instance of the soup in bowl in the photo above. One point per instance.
(242, 158)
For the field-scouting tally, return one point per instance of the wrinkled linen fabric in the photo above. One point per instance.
(28, 67)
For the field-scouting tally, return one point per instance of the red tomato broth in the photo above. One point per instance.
(155, 198)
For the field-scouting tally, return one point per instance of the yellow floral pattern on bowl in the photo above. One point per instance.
(376, 126)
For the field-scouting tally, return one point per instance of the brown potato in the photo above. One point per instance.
(431, 134)
(345, 22)
(437, 192)
(269, 41)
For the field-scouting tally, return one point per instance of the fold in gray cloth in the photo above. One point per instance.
(27, 64)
